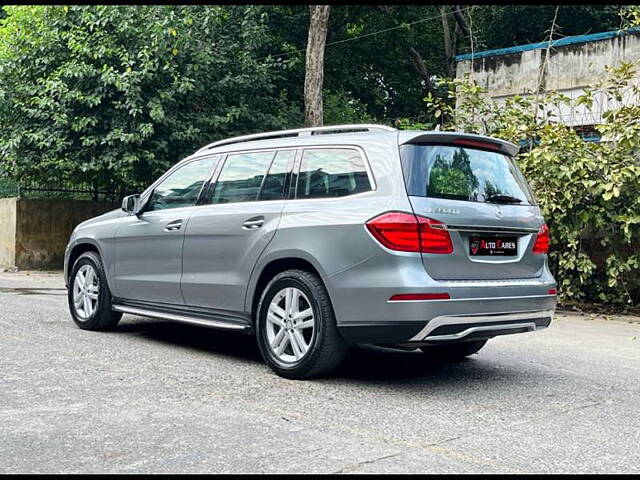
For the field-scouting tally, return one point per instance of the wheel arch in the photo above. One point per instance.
(273, 265)
(80, 247)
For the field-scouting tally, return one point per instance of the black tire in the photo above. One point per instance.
(327, 348)
(453, 352)
(103, 317)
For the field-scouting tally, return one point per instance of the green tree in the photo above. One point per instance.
(499, 26)
(113, 95)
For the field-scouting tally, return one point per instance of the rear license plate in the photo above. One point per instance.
(493, 246)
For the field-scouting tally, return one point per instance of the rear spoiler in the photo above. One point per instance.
(457, 138)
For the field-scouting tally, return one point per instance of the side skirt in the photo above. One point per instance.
(205, 317)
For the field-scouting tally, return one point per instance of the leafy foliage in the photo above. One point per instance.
(113, 95)
(589, 192)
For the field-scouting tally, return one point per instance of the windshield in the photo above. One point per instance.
(457, 173)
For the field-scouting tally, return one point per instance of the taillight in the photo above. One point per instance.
(434, 236)
(542, 240)
(407, 232)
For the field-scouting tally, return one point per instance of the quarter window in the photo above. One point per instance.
(241, 177)
(332, 172)
(182, 187)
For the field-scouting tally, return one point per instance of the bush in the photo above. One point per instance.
(589, 192)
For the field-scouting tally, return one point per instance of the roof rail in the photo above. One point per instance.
(297, 132)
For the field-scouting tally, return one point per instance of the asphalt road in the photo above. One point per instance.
(161, 397)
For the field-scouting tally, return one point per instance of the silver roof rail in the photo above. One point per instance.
(297, 132)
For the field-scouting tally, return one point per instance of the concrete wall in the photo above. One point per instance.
(7, 232)
(35, 232)
(569, 69)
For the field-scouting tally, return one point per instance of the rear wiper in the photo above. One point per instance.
(500, 198)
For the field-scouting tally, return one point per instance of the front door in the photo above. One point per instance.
(149, 245)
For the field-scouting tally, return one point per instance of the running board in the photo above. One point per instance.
(181, 318)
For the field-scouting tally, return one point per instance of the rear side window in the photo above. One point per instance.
(332, 172)
(240, 178)
(457, 173)
(274, 185)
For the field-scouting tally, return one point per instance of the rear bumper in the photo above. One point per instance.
(365, 314)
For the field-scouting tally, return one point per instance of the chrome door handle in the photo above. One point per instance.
(173, 226)
(253, 223)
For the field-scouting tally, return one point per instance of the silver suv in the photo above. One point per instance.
(315, 239)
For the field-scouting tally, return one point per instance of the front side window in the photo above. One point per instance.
(240, 178)
(457, 173)
(182, 187)
(332, 172)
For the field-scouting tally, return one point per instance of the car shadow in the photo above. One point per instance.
(362, 364)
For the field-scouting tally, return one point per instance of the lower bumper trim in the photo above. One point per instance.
(447, 328)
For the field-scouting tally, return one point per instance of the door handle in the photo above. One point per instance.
(173, 226)
(253, 223)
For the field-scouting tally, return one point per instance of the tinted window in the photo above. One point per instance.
(456, 173)
(334, 172)
(241, 177)
(181, 188)
(274, 185)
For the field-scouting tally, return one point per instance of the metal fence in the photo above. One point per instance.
(62, 192)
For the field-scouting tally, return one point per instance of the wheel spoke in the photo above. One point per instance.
(78, 299)
(279, 312)
(280, 342)
(86, 305)
(288, 301)
(297, 351)
(303, 314)
(302, 345)
(295, 302)
(92, 296)
(88, 279)
(80, 279)
(303, 325)
(275, 320)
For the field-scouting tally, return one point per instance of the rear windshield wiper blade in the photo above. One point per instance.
(500, 198)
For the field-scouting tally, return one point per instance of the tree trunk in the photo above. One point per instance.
(314, 73)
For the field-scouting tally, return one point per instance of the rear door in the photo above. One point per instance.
(486, 204)
(237, 218)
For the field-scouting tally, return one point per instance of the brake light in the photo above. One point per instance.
(542, 240)
(406, 232)
(468, 142)
(552, 291)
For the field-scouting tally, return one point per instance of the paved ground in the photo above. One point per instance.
(160, 397)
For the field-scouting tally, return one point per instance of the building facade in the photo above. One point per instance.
(568, 66)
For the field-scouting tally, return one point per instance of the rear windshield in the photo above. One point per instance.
(457, 173)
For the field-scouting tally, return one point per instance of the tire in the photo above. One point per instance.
(325, 346)
(453, 352)
(101, 316)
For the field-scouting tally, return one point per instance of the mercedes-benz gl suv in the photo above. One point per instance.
(316, 239)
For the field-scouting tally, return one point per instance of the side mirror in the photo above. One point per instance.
(131, 204)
